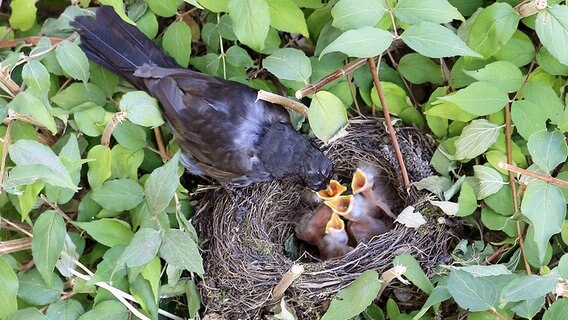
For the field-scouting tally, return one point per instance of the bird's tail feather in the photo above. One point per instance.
(119, 46)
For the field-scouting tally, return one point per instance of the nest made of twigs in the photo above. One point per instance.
(248, 232)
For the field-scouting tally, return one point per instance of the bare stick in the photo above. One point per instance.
(109, 128)
(161, 146)
(287, 279)
(547, 179)
(514, 186)
(17, 245)
(5, 147)
(390, 128)
(28, 41)
(312, 88)
(55, 207)
(283, 101)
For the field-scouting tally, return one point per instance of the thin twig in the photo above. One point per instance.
(109, 128)
(312, 88)
(17, 227)
(161, 146)
(17, 245)
(390, 127)
(55, 207)
(545, 178)
(287, 279)
(27, 41)
(495, 255)
(283, 101)
(514, 185)
(410, 93)
(5, 146)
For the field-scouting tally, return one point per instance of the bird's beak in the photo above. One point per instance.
(333, 190)
(360, 182)
(335, 222)
(341, 205)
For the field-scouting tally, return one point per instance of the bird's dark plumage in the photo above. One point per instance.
(223, 131)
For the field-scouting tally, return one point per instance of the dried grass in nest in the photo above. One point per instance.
(246, 230)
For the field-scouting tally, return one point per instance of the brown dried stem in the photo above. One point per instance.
(283, 101)
(28, 41)
(547, 179)
(390, 128)
(55, 207)
(109, 128)
(17, 245)
(5, 146)
(513, 185)
(312, 88)
(161, 146)
(287, 279)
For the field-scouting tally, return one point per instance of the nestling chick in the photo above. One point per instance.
(367, 183)
(334, 190)
(334, 242)
(311, 228)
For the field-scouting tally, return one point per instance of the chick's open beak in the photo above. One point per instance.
(335, 222)
(360, 182)
(333, 190)
(341, 205)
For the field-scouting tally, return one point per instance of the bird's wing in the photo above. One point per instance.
(218, 122)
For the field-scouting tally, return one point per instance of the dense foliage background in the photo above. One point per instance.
(94, 222)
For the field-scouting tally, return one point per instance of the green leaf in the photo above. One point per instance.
(528, 308)
(130, 135)
(546, 98)
(355, 14)
(354, 298)
(326, 115)
(479, 98)
(163, 8)
(251, 21)
(29, 104)
(23, 14)
(27, 199)
(467, 201)
(108, 309)
(10, 285)
(25, 175)
(125, 162)
(100, 166)
(179, 250)
(529, 287)
(104, 79)
(30, 313)
(365, 42)
(28, 152)
(91, 120)
(434, 41)
(476, 138)
(502, 74)
(528, 118)
(413, 272)
(446, 110)
(519, 50)
(161, 185)
(286, 16)
(490, 181)
(70, 309)
(118, 195)
(79, 93)
(47, 244)
(550, 64)
(419, 69)
(35, 291)
(416, 11)
(141, 109)
(108, 232)
(148, 24)
(238, 57)
(545, 207)
(552, 31)
(438, 295)
(289, 64)
(72, 60)
(141, 250)
(473, 294)
(485, 271)
(215, 5)
(36, 77)
(395, 96)
(177, 42)
(492, 28)
(548, 149)
(557, 310)
(502, 201)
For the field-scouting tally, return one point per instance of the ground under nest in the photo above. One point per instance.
(248, 233)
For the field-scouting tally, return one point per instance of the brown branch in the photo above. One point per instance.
(513, 184)
(5, 146)
(386, 114)
(545, 178)
(12, 87)
(27, 41)
(55, 207)
(283, 101)
(287, 279)
(161, 146)
(17, 245)
(495, 255)
(312, 88)
(109, 128)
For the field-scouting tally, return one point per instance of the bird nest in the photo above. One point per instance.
(249, 241)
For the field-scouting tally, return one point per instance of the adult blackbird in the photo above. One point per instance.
(223, 131)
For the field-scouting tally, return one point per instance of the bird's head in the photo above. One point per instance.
(319, 172)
